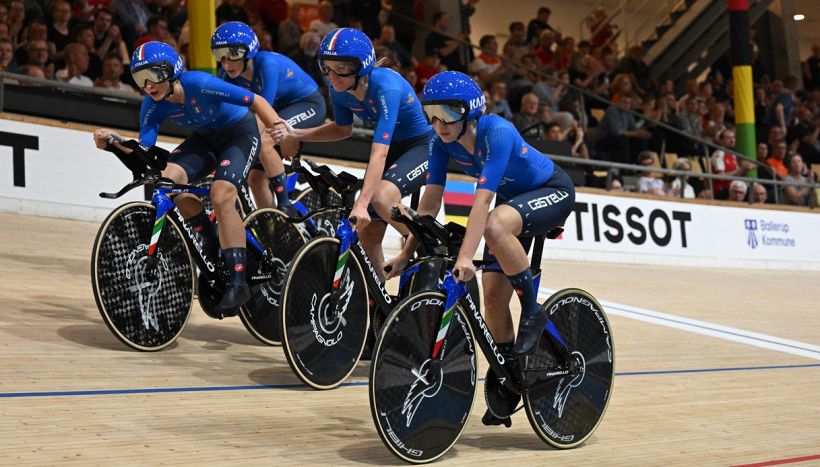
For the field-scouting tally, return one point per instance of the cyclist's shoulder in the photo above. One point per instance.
(496, 125)
(194, 78)
(386, 79)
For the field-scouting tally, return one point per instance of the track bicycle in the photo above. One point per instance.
(423, 372)
(333, 294)
(142, 265)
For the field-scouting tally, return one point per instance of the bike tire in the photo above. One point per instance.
(143, 321)
(281, 240)
(323, 348)
(327, 222)
(422, 432)
(565, 410)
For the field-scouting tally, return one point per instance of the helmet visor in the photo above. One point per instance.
(446, 112)
(343, 67)
(156, 73)
(233, 52)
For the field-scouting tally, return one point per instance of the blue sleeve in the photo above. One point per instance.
(437, 158)
(151, 118)
(497, 146)
(270, 76)
(389, 101)
(342, 115)
(227, 92)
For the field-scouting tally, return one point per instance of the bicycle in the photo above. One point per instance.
(423, 372)
(142, 265)
(325, 308)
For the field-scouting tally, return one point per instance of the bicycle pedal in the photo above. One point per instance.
(491, 420)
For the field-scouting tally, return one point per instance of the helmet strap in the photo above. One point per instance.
(170, 88)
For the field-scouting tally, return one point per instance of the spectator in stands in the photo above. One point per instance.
(737, 191)
(388, 39)
(759, 193)
(323, 24)
(601, 30)
(132, 17)
(289, 32)
(7, 62)
(76, 64)
(37, 30)
(714, 122)
(634, 65)
(550, 91)
(564, 53)
(107, 37)
(804, 135)
(726, 163)
(518, 41)
(37, 52)
(231, 10)
(543, 51)
(527, 120)
(427, 69)
(58, 31)
(617, 134)
(447, 49)
(796, 195)
(4, 31)
(571, 131)
(487, 64)
(83, 34)
(498, 96)
(762, 152)
(157, 31)
(647, 183)
(690, 122)
(777, 135)
(265, 41)
(781, 104)
(679, 181)
(617, 184)
(777, 159)
(112, 69)
(305, 57)
(16, 22)
(538, 25)
(811, 69)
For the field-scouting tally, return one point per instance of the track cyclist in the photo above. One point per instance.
(534, 197)
(225, 138)
(398, 155)
(279, 80)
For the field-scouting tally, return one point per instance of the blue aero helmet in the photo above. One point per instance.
(451, 97)
(348, 45)
(234, 40)
(155, 61)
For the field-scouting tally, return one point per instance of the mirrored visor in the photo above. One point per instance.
(445, 112)
(155, 74)
(233, 52)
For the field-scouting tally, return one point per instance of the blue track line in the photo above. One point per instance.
(108, 392)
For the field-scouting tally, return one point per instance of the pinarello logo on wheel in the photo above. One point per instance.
(225, 163)
(246, 99)
(386, 135)
(482, 180)
(239, 268)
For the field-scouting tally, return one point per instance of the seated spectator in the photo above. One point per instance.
(388, 39)
(487, 62)
(737, 191)
(726, 163)
(84, 34)
(498, 96)
(157, 31)
(289, 33)
(37, 30)
(564, 53)
(550, 91)
(111, 72)
(107, 36)
(517, 43)
(59, 30)
(527, 120)
(633, 64)
(617, 184)
(682, 164)
(776, 135)
(305, 57)
(715, 121)
(37, 52)
(759, 193)
(544, 53)
(7, 62)
(427, 69)
(538, 25)
(571, 131)
(796, 195)
(76, 64)
(231, 10)
(646, 182)
(439, 42)
(617, 135)
(323, 24)
(777, 160)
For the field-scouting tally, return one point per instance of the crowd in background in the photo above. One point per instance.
(533, 79)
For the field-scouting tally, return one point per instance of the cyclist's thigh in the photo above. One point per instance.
(195, 157)
(238, 153)
(546, 207)
(409, 171)
(307, 113)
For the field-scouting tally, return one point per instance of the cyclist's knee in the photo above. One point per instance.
(176, 173)
(385, 197)
(223, 194)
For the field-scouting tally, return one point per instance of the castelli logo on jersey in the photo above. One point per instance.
(479, 153)
(225, 163)
(428, 176)
(246, 99)
(279, 189)
(393, 166)
(519, 292)
(523, 150)
(193, 101)
(482, 180)
(239, 267)
(386, 135)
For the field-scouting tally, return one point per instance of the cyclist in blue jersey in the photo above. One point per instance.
(225, 137)
(292, 93)
(398, 155)
(534, 196)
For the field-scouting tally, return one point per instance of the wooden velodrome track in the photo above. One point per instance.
(70, 393)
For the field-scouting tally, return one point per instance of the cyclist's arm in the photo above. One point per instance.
(373, 173)
(330, 131)
(476, 223)
(430, 204)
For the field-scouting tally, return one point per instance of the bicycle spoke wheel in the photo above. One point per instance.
(420, 406)
(280, 240)
(325, 223)
(144, 301)
(565, 410)
(323, 335)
